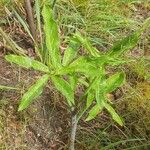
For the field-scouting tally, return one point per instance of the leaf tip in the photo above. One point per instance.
(20, 108)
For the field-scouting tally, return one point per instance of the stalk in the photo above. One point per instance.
(73, 132)
(30, 18)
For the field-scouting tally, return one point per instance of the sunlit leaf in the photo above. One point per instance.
(83, 82)
(73, 79)
(52, 37)
(113, 113)
(65, 88)
(94, 112)
(27, 62)
(87, 45)
(90, 98)
(83, 64)
(71, 51)
(113, 82)
(33, 92)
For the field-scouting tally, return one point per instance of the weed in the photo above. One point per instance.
(84, 70)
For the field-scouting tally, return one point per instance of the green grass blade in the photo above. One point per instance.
(52, 37)
(33, 92)
(112, 145)
(38, 17)
(27, 62)
(2, 87)
(128, 42)
(23, 23)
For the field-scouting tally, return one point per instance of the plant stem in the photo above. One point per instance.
(73, 132)
(30, 18)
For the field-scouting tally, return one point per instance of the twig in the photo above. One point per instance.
(30, 18)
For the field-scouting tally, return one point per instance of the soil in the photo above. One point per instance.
(42, 126)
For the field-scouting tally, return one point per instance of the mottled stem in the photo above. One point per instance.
(73, 132)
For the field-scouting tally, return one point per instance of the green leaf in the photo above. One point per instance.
(2, 87)
(99, 95)
(88, 65)
(113, 113)
(65, 88)
(113, 61)
(83, 82)
(94, 112)
(83, 64)
(71, 52)
(52, 37)
(33, 92)
(128, 42)
(73, 79)
(27, 62)
(87, 45)
(90, 99)
(113, 82)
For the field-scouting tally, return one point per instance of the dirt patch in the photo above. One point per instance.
(43, 125)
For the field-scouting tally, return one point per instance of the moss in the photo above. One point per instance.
(138, 107)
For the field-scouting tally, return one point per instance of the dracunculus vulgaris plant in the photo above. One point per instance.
(87, 70)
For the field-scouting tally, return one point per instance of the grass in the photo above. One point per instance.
(103, 21)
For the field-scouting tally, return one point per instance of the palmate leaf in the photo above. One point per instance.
(27, 62)
(128, 42)
(71, 51)
(65, 88)
(33, 92)
(52, 37)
